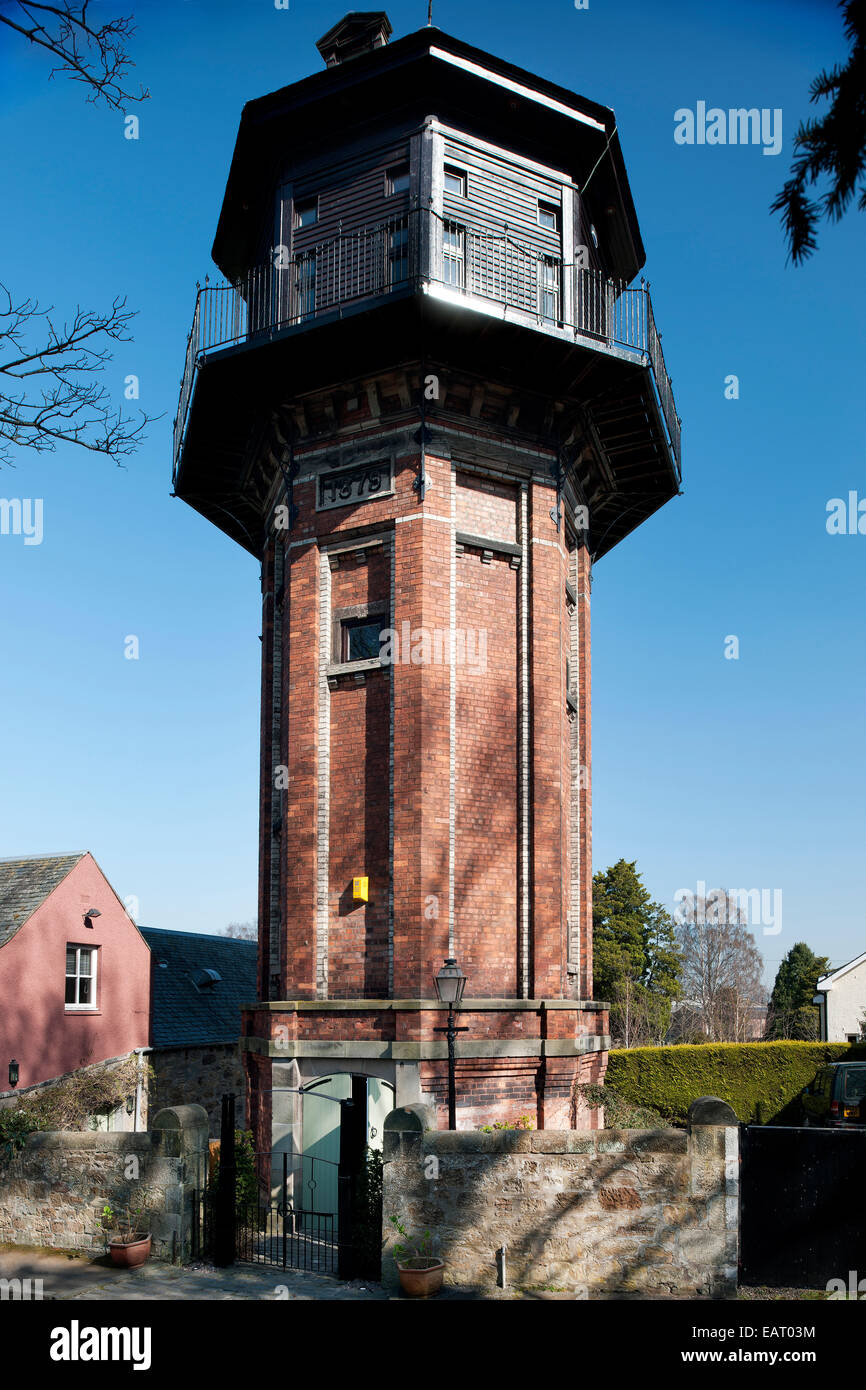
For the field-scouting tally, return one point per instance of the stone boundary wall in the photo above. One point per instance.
(641, 1211)
(53, 1190)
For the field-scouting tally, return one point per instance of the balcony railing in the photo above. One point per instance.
(497, 273)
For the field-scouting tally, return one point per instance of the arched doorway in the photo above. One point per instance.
(335, 1136)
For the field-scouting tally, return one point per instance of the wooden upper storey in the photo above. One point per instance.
(313, 134)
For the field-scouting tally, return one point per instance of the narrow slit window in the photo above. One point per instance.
(454, 254)
(549, 288)
(398, 252)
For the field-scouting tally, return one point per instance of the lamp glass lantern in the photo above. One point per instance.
(450, 983)
(13, 1073)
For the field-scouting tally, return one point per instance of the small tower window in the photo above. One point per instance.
(455, 182)
(548, 217)
(306, 212)
(360, 639)
(397, 179)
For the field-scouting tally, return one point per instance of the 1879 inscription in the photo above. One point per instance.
(358, 484)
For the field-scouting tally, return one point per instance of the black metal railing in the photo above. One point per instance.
(423, 249)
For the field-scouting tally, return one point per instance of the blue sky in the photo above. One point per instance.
(746, 773)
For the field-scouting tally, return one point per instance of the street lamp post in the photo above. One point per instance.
(450, 983)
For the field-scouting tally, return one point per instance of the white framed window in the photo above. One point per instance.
(548, 286)
(397, 179)
(81, 976)
(455, 181)
(454, 254)
(548, 217)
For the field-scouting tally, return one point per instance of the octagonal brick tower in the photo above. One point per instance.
(426, 399)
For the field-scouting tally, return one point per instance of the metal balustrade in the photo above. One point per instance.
(461, 263)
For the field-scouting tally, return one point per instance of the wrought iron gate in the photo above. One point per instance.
(802, 1214)
(285, 1227)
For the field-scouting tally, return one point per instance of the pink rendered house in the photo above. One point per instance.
(74, 969)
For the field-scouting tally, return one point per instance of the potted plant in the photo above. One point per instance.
(419, 1269)
(128, 1239)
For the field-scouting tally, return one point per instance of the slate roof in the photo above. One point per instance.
(188, 1008)
(25, 884)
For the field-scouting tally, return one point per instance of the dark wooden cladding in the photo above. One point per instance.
(351, 194)
(502, 193)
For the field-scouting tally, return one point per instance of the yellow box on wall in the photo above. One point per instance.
(361, 889)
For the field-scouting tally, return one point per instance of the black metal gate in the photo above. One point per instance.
(802, 1212)
(294, 1210)
(284, 1227)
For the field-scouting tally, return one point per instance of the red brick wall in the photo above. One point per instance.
(550, 764)
(486, 879)
(359, 788)
(299, 754)
(487, 849)
(421, 762)
(358, 834)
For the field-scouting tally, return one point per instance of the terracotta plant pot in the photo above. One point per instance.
(129, 1254)
(420, 1278)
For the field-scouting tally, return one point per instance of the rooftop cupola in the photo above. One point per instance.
(360, 31)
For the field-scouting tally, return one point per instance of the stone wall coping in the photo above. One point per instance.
(288, 1006)
(121, 1140)
(546, 1141)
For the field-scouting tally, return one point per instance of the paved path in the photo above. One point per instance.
(72, 1277)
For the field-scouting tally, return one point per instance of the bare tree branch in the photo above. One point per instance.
(48, 394)
(96, 56)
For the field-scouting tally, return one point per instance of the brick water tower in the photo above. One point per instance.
(426, 399)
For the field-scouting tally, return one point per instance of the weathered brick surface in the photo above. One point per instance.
(582, 1212)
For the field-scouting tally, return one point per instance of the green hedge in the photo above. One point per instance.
(762, 1081)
